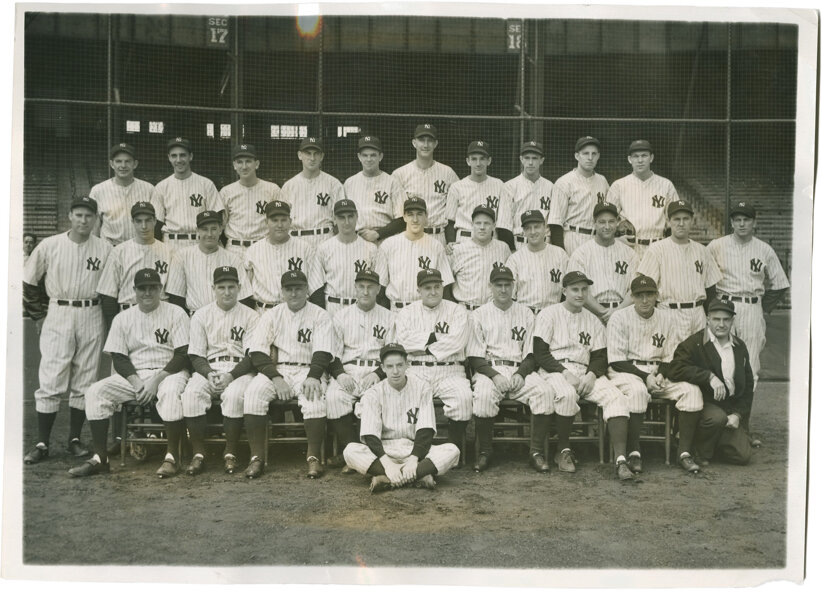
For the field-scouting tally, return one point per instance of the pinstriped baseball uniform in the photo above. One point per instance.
(312, 204)
(395, 417)
(571, 337)
(634, 338)
(466, 194)
(505, 335)
(682, 272)
(71, 337)
(124, 262)
(114, 204)
(179, 201)
(432, 185)
(611, 268)
(400, 259)
(215, 334)
(296, 336)
(572, 204)
(379, 199)
(266, 262)
(191, 274)
(747, 270)
(471, 265)
(522, 194)
(358, 336)
(448, 321)
(643, 203)
(538, 275)
(338, 263)
(245, 212)
(149, 340)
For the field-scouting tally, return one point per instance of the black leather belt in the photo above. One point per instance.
(343, 301)
(642, 242)
(181, 236)
(645, 362)
(265, 305)
(503, 363)
(434, 229)
(520, 238)
(293, 364)
(743, 299)
(400, 304)
(464, 233)
(470, 306)
(78, 303)
(609, 304)
(126, 306)
(363, 363)
(686, 304)
(568, 360)
(584, 230)
(245, 243)
(419, 363)
(235, 359)
(302, 232)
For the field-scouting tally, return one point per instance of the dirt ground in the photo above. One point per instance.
(508, 517)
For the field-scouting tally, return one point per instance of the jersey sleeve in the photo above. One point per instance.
(259, 339)
(397, 197)
(371, 418)
(476, 337)
(649, 265)
(455, 339)
(337, 191)
(116, 340)
(444, 265)
(381, 264)
(198, 336)
(323, 338)
(37, 265)
(712, 273)
(410, 336)
(452, 203)
(559, 204)
(213, 200)
(613, 197)
(159, 202)
(598, 337)
(617, 337)
(426, 418)
(775, 274)
(544, 326)
(176, 282)
(314, 270)
(112, 275)
(181, 328)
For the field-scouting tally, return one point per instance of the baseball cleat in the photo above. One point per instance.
(230, 463)
(687, 463)
(482, 462)
(196, 466)
(90, 467)
(623, 472)
(426, 482)
(379, 483)
(565, 461)
(702, 462)
(538, 463)
(38, 453)
(635, 463)
(315, 469)
(346, 470)
(76, 448)
(167, 469)
(336, 461)
(255, 468)
(114, 447)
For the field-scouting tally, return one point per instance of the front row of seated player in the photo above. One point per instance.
(550, 362)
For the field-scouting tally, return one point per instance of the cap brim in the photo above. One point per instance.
(226, 278)
(588, 281)
(208, 222)
(309, 146)
(245, 154)
(645, 289)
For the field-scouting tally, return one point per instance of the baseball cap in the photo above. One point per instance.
(179, 141)
(531, 216)
(122, 147)
(226, 274)
(643, 284)
(601, 207)
(293, 277)
(84, 202)
(277, 207)
(147, 277)
(586, 140)
(721, 304)
(743, 208)
(143, 208)
(367, 275)
(483, 210)
(311, 142)
(208, 216)
(343, 206)
(428, 276)
(478, 147)
(369, 141)
(414, 203)
(573, 277)
(679, 206)
(532, 146)
(392, 349)
(425, 129)
(638, 145)
(501, 274)
(244, 150)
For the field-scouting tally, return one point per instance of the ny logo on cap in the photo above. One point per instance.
(481, 144)
(146, 275)
(429, 271)
(225, 269)
(122, 145)
(367, 138)
(533, 143)
(243, 147)
(179, 139)
(643, 282)
(427, 126)
(741, 204)
(312, 140)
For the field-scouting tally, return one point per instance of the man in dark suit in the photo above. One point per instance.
(718, 363)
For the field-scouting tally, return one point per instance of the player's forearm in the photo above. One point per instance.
(393, 228)
(771, 298)
(122, 365)
(545, 360)
(319, 363)
(374, 444)
(200, 365)
(557, 235)
(598, 362)
(422, 442)
(480, 365)
(447, 345)
(244, 367)
(33, 301)
(626, 366)
(178, 362)
(262, 363)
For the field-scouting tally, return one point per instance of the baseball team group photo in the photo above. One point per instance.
(406, 291)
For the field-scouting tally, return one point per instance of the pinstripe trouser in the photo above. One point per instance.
(359, 456)
(338, 402)
(197, 397)
(534, 393)
(104, 397)
(687, 396)
(260, 392)
(451, 386)
(604, 394)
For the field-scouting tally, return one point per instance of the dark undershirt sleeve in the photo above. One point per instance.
(382, 299)
(122, 365)
(336, 368)
(262, 363)
(110, 308)
(319, 363)
(318, 297)
(177, 301)
(178, 362)
(771, 298)
(422, 442)
(544, 358)
(505, 235)
(33, 301)
(450, 232)
(393, 228)
(626, 366)
(374, 444)
(527, 366)
(710, 294)
(557, 235)
(244, 367)
(598, 362)
(480, 365)
(200, 365)
(249, 302)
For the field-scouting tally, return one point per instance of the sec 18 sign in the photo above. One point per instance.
(513, 35)
(217, 30)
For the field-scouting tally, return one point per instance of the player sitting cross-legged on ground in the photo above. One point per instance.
(148, 345)
(397, 429)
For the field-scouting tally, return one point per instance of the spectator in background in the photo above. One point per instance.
(29, 242)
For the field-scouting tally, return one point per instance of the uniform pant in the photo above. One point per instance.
(339, 402)
(260, 392)
(197, 398)
(687, 396)
(534, 393)
(450, 385)
(712, 437)
(749, 326)
(105, 397)
(71, 341)
(573, 240)
(359, 456)
(686, 321)
(604, 394)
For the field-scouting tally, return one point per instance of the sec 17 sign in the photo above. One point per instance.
(217, 30)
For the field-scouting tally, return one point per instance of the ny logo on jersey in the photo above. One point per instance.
(492, 202)
(323, 199)
(161, 266)
(658, 201)
(439, 186)
(92, 264)
(698, 265)
(424, 262)
(584, 338)
(261, 207)
(442, 327)
(360, 265)
(295, 263)
(555, 275)
(545, 203)
(237, 333)
(657, 340)
(518, 333)
(380, 197)
(600, 198)
(379, 332)
(413, 413)
(161, 335)
(621, 267)
(196, 200)
(304, 336)
(756, 265)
